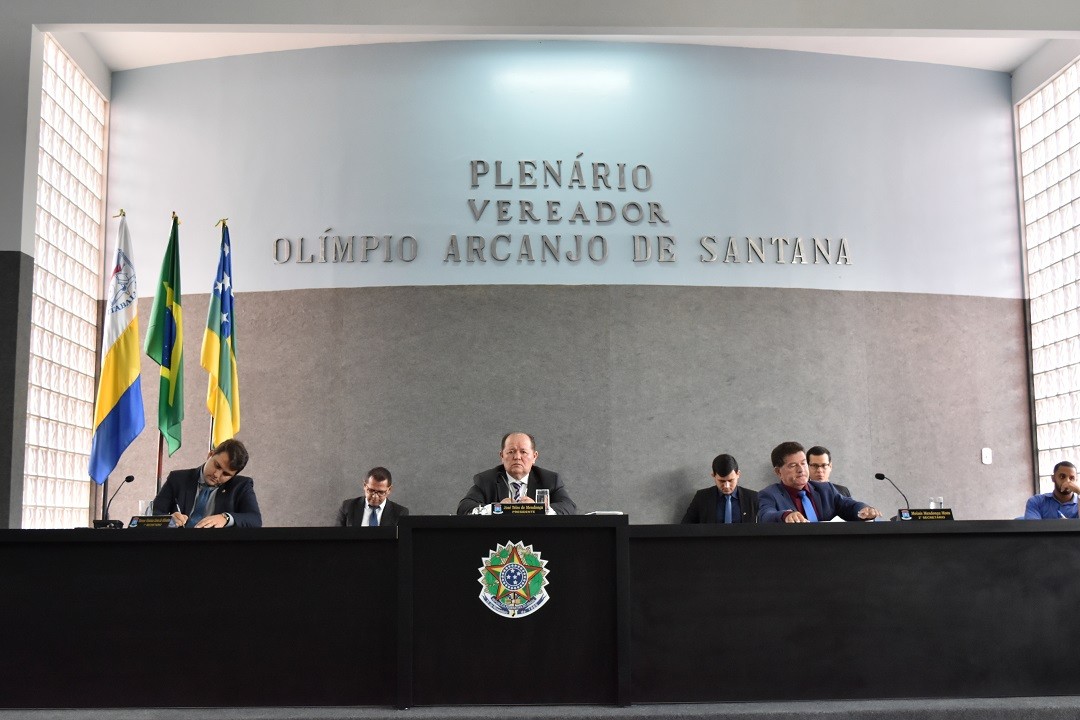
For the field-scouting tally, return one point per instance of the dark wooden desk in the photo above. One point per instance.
(184, 618)
(852, 611)
(644, 614)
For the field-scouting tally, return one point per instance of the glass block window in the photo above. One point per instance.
(1049, 144)
(67, 277)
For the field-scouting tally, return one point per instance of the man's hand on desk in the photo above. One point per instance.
(213, 521)
(869, 513)
(210, 521)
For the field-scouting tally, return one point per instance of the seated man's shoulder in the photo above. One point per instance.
(774, 489)
(825, 488)
(702, 494)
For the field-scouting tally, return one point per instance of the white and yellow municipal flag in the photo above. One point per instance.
(118, 412)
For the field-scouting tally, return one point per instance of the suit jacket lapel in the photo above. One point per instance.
(789, 503)
(710, 507)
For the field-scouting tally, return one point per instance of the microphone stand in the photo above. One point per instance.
(907, 503)
(105, 522)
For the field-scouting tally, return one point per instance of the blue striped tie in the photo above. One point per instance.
(201, 501)
(727, 509)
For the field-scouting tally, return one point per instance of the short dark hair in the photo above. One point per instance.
(1063, 463)
(724, 465)
(238, 454)
(379, 474)
(531, 437)
(819, 450)
(784, 449)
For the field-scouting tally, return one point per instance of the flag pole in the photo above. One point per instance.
(160, 458)
(211, 433)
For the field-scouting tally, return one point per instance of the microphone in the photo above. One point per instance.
(881, 476)
(105, 514)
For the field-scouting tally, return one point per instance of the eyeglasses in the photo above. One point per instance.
(819, 466)
(376, 493)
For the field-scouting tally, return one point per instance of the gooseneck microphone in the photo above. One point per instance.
(105, 515)
(881, 476)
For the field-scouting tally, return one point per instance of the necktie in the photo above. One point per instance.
(201, 500)
(373, 520)
(517, 492)
(727, 509)
(808, 507)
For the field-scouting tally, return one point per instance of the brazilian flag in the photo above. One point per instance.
(165, 342)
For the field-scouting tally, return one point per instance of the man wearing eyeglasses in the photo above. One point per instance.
(374, 508)
(819, 460)
(798, 499)
(516, 480)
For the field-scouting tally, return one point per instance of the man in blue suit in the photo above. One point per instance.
(798, 499)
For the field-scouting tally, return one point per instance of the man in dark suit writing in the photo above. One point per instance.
(374, 508)
(798, 499)
(726, 502)
(213, 495)
(517, 479)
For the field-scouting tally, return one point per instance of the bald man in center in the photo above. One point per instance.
(517, 479)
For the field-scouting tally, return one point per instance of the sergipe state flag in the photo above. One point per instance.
(165, 342)
(219, 350)
(118, 411)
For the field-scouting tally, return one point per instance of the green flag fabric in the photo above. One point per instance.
(165, 342)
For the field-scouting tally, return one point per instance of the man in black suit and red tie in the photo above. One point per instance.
(374, 508)
(726, 502)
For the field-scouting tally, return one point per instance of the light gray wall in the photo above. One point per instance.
(1042, 66)
(631, 391)
(911, 164)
